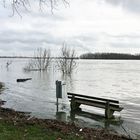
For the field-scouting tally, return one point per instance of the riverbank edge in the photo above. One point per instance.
(66, 128)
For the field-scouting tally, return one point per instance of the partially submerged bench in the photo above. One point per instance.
(109, 105)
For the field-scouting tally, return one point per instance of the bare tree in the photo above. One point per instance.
(26, 4)
(66, 63)
(40, 62)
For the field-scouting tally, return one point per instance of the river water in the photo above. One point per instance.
(114, 79)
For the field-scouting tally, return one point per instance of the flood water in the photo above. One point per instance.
(114, 79)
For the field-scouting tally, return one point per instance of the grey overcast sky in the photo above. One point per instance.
(86, 25)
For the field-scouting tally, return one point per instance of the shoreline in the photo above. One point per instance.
(20, 119)
(66, 129)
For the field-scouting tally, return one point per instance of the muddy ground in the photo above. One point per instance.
(22, 118)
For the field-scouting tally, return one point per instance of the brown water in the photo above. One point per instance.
(115, 79)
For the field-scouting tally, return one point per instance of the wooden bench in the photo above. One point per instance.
(109, 105)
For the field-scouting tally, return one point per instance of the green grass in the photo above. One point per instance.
(8, 131)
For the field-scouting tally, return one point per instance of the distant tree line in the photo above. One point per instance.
(110, 56)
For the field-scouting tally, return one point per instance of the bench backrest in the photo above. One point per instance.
(90, 97)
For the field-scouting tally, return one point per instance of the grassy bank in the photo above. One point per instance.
(51, 130)
(20, 126)
(9, 131)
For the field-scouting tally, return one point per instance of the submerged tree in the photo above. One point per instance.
(66, 63)
(40, 62)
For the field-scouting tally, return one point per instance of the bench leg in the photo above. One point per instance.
(75, 106)
(108, 111)
(72, 115)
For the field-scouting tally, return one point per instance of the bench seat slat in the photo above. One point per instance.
(109, 105)
(97, 104)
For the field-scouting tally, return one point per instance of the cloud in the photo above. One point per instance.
(87, 26)
(21, 42)
(130, 5)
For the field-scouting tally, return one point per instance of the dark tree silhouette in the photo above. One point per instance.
(109, 56)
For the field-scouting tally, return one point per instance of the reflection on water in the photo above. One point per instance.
(113, 79)
(106, 123)
(117, 121)
(62, 116)
(115, 124)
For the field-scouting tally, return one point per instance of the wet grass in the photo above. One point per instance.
(9, 131)
(20, 126)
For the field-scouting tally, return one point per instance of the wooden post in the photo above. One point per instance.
(72, 115)
(57, 104)
(72, 104)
